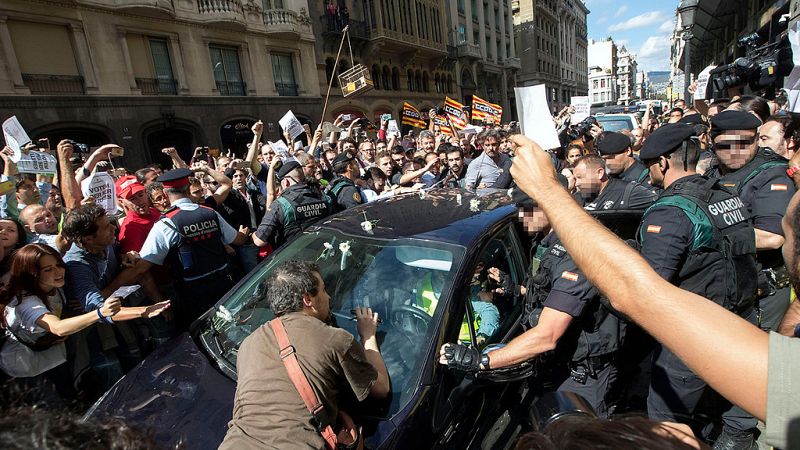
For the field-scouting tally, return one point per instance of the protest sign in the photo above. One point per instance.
(37, 162)
(100, 185)
(581, 105)
(280, 149)
(702, 83)
(291, 125)
(534, 116)
(393, 129)
(15, 136)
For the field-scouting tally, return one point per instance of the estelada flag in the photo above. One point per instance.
(453, 108)
(443, 123)
(483, 110)
(411, 116)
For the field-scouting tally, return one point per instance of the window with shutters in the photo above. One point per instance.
(227, 71)
(162, 67)
(283, 74)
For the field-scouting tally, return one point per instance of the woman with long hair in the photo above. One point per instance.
(31, 305)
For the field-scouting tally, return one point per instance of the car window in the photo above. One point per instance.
(385, 275)
(616, 123)
(494, 312)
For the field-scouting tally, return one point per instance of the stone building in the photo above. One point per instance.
(552, 45)
(154, 73)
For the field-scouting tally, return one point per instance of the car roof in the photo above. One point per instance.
(445, 215)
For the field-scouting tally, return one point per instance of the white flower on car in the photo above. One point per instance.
(344, 247)
(458, 199)
(224, 314)
(327, 252)
(328, 245)
(422, 194)
(474, 205)
(367, 226)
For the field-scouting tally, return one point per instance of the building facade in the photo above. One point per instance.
(148, 74)
(603, 60)
(626, 77)
(552, 38)
(403, 44)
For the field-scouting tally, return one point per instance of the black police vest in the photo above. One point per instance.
(333, 191)
(301, 207)
(764, 159)
(200, 250)
(720, 264)
(596, 332)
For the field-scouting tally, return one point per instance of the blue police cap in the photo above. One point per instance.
(665, 140)
(612, 143)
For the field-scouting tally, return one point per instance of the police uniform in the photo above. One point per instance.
(766, 189)
(697, 236)
(342, 191)
(614, 143)
(191, 238)
(619, 194)
(295, 210)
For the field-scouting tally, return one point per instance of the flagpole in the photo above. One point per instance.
(333, 73)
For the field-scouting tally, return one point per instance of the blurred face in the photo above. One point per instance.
(40, 220)
(51, 273)
(770, 135)
(428, 144)
(239, 179)
(572, 155)
(28, 193)
(615, 164)
(160, 200)
(735, 148)
(367, 150)
(656, 176)
(455, 161)
(385, 164)
(9, 235)
(588, 182)
(491, 147)
(533, 220)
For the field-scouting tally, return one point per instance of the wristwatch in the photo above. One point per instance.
(485, 361)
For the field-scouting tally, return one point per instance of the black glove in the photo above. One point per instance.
(463, 358)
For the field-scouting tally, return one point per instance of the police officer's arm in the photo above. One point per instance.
(688, 325)
(269, 225)
(666, 235)
(350, 196)
(772, 191)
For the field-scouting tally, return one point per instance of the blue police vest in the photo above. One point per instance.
(200, 251)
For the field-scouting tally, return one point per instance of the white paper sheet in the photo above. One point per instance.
(534, 116)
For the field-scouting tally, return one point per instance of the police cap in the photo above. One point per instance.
(693, 119)
(733, 120)
(343, 158)
(175, 178)
(286, 168)
(612, 143)
(665, 140)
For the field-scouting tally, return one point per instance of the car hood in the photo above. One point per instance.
(176, 394)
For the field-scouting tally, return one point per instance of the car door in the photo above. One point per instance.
(482, 414)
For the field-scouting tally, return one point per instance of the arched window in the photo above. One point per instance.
(386, 78)
(425, 80)
(376, 77)
(395, 79)
(437, 83)
(450, 84)
(418, 81)
(410, 76)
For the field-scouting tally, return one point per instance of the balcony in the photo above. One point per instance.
(469, 51)
(155, 86)
(331, 25)
(53, 84)
(286, 89)
(281, 22)
(513, 63)
(151, 8)
(222, 12)
(231, 88)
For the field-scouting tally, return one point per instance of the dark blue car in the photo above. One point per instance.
(384, 255)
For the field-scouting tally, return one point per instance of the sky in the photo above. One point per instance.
(643, 27)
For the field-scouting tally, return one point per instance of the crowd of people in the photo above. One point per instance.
(89, 289)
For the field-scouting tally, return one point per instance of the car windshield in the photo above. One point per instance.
(615, 123)
(387, 275)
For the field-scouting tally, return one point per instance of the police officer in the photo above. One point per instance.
(342, 191)
(616, 149)
(191, 238)
(598, 191)
(298, 206)
(698, 236)
(566, 315)
(759, 176)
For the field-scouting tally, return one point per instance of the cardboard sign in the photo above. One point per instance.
(15, 137)
(702, 83)
(37, 162)
(291, 125)
(581, 105)
(392, 129)
(534, 116)
(100, 185)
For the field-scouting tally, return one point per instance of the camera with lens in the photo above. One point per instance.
(581, 129)
(78, 147)
(762, 67)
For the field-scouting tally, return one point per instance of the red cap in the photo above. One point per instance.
(127, 186)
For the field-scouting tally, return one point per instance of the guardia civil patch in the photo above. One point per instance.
(654, 228)
(572, 276)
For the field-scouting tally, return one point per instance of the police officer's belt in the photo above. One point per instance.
(599, 362)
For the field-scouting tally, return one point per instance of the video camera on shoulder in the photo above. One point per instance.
(762, 67)
(581, 129)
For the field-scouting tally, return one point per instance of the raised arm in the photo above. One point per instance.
(177, 161)
(70, 190)
(252, 151)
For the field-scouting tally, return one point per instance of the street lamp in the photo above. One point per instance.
(687, 9)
